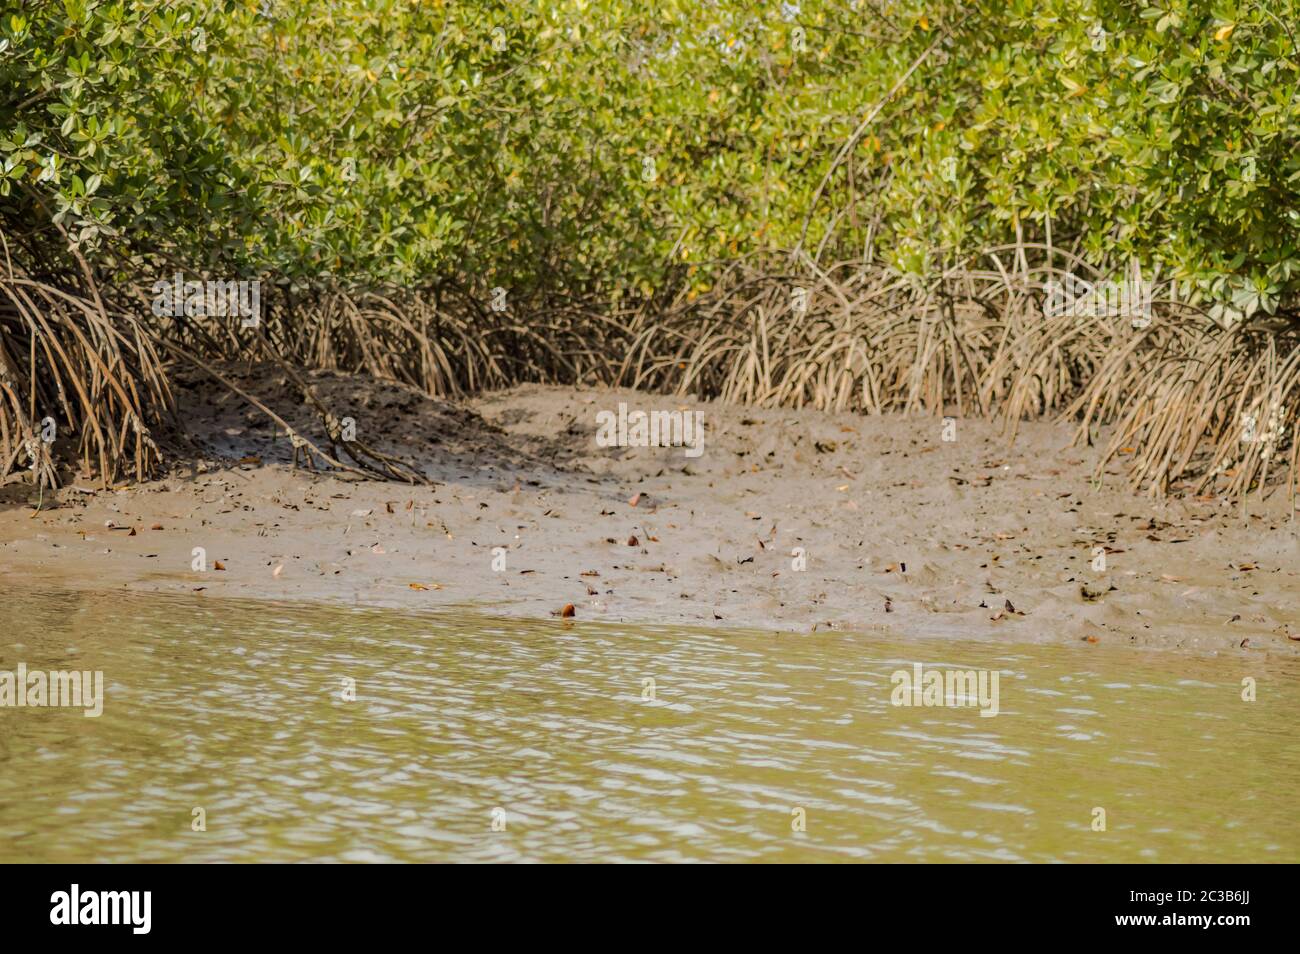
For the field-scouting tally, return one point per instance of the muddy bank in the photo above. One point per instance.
(786, 520)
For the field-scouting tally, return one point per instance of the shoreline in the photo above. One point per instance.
(789, 520)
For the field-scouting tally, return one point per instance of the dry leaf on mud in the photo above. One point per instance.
(632, 541)
(1091, 590)
(634, 500)
(218, 565)
(424, 586)
(568, 611)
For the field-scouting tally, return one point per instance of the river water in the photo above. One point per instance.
(476, 738)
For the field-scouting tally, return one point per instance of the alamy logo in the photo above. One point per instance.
(35, 688)
(946, 687)
(652, 429)
(1075, 297)
(209, 299)
(103, 907)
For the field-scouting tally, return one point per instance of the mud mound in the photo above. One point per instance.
(440, 439)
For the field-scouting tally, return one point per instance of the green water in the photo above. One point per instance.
(238, 709)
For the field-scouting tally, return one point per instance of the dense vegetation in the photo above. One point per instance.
(648, 187)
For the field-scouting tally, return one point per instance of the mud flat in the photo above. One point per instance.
(790, 520)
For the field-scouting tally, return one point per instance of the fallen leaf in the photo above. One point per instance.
(218, 565)
(568, 611)
(632, 541)
(634, 500)
(1090, 590)
(278, 570)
